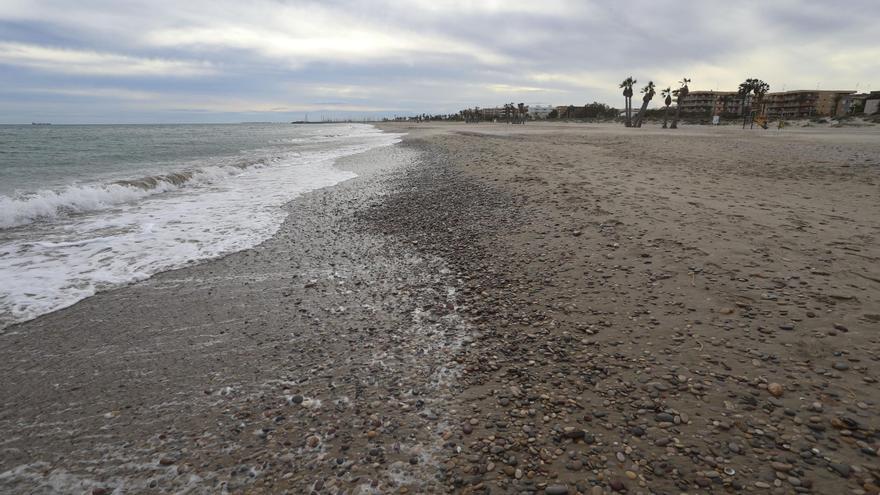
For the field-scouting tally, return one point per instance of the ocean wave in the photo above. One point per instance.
(47, 204)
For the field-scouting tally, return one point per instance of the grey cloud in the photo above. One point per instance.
(423, 55)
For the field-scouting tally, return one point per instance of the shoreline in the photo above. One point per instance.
(523, 309)
(54, 298)
(197, 348)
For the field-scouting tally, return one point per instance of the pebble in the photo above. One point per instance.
(617, 485)
(781, 466)
(574, 433)
(556, 490)
(775, 389)
(843, 470)
(664, 418)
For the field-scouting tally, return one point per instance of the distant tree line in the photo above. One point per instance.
(595, 111)
(519, 113)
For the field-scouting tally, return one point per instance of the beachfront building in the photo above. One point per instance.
(711, 103)
(785, 104)
(539, 111)
(853, 103)
(805, 103)
(866, 103)
(491, 113)
(703, 102)
(565, 111)
(872, 103)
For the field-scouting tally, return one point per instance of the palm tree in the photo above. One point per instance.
(745, 89)
(667, 94)
(649, 93)
(627, 86)
(755, 87)
(760, 89)
(522, 112)
(680, 94)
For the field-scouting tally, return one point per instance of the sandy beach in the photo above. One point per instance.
(547, 308)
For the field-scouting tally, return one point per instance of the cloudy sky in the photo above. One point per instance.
(229, 61)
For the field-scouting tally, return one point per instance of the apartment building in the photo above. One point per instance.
(710, 103)
(805, 103)
(784, 104)
(702, 102)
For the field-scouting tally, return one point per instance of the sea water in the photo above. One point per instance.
(87, 208)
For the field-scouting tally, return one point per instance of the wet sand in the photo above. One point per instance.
(492, 309)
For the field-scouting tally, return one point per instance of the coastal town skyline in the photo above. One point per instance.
(278, 61)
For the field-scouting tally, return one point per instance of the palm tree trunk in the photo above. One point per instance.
(629, 115)
(666, 117)
(641, 114)
(677, 115)
(627, 110)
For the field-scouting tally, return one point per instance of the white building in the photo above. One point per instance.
(540, 111)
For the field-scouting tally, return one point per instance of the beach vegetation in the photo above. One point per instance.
(752, 87)
(667, 100)
(523, 111)
(680, 94)
(627, 86)
(648, 93)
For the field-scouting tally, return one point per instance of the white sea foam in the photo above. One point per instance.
(90, 238)
(48, 204)
(74, 199)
